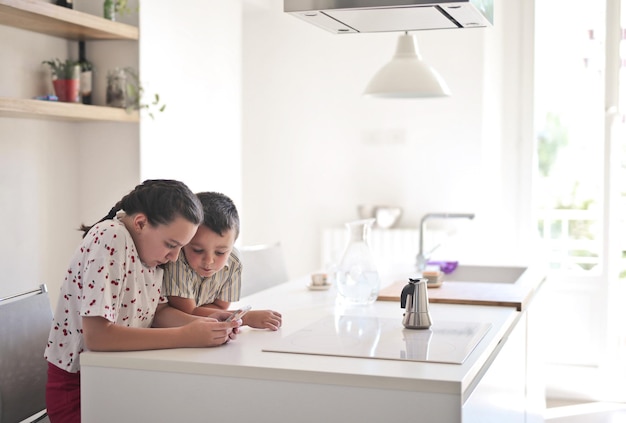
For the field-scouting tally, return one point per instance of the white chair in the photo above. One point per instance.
(263, 267)
(25, 321)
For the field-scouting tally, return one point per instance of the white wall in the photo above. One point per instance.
(191, 57)
(39, 205)
(55, 175)
(38, 172)
(314, 148)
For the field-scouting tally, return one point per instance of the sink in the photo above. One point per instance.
(492, 274)
(508, 286)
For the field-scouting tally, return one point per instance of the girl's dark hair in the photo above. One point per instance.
(161, 200)
(220, 213)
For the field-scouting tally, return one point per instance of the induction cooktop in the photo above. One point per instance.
(384, 338)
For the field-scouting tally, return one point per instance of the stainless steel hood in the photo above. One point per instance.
(354, 16)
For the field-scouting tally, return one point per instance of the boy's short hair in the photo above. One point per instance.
(220, 213)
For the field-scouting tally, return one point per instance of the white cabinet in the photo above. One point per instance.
(509, 390)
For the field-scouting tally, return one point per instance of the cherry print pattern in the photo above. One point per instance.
(116, 286)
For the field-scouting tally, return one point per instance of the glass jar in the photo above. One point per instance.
(123, 89)
(357, 277)
(117, 92)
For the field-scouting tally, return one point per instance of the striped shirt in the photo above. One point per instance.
(180, 280)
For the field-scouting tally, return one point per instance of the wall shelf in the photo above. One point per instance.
(50, 19)
(77, 112)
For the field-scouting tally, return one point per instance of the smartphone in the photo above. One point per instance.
(239, 313)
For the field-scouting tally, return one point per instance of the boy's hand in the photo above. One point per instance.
(263, 319)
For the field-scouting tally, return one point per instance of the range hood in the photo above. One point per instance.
(354, 16)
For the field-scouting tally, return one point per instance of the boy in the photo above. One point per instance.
(207, 275)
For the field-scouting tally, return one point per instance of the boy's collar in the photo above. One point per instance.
(183, 256)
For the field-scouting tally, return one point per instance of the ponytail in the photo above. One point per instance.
(161, 200)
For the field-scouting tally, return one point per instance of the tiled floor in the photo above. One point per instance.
(594, 412)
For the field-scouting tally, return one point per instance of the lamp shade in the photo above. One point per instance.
(407, 75)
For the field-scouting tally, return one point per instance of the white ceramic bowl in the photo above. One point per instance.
(387, 217)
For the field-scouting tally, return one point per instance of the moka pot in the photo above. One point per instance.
(414, 299)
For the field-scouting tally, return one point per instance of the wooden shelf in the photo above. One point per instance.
(50, 19)
(77, 112)
(58, 21)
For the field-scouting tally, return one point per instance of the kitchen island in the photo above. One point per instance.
(243, 380)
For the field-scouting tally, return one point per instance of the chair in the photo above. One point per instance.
(263, 267)
(25, 321)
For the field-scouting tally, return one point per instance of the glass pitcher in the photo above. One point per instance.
(357, 277)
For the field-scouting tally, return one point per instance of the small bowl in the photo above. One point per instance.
(387, 217)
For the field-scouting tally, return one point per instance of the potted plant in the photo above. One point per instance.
(113, 8)
(65, 79)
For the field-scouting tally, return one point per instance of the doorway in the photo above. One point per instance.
(579, 193)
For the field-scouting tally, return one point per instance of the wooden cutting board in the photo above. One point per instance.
(515, 295)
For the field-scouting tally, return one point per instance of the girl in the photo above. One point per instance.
(111, 295)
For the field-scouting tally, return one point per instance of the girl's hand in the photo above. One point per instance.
(263, 319)
(209, 332)
(233, 334)
(221, 315)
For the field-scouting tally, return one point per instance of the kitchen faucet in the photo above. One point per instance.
(422, 257)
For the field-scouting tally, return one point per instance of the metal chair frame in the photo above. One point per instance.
(25, 321)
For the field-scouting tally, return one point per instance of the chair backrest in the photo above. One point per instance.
(263, 267)
(25, 322)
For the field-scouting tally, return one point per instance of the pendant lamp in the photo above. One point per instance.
(407, 75)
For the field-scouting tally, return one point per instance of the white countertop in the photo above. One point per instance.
(301, 307)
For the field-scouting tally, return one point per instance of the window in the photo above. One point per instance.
(580, 186)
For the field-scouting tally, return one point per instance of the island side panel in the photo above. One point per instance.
(501, 394)
(165, 396)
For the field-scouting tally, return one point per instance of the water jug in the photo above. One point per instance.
(357, 278)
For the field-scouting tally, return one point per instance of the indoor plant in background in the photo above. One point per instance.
(113, 8)
(65, 79)
(124, 90)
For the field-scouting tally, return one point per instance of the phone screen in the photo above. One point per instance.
(238, 314)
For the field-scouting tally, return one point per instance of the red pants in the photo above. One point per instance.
(63, 395)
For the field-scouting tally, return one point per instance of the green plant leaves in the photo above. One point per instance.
(68, 69)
